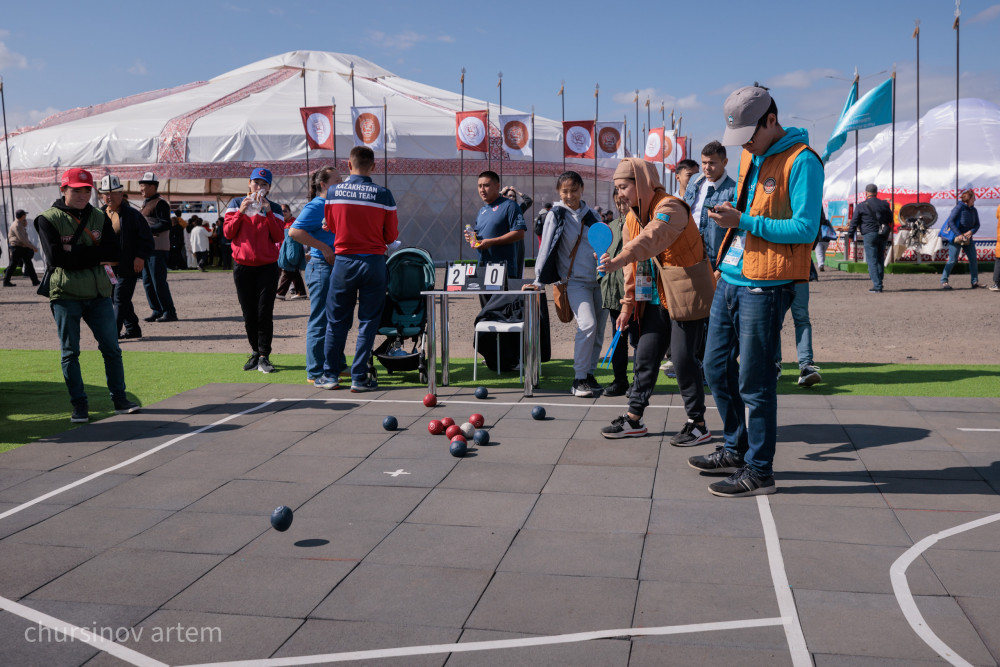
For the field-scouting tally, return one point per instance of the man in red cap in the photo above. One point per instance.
(80, 247)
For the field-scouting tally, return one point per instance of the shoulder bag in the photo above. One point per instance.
(560, 294)
(46, 279)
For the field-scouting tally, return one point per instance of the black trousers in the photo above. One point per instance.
(255, 288)
(20, 256)
(291, 278)
(121, 298)
(657, 332)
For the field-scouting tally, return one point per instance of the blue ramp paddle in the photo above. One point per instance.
(599, 237)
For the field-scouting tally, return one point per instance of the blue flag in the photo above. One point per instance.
(874, 109)
(837, 140)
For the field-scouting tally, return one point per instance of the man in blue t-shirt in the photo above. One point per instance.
(499, 227)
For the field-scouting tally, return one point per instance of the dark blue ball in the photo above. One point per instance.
(390, 423)
(481, 393)
(481, 437)
(458, 447)
(538, 412)
(281, 518)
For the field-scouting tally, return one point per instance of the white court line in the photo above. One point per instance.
(445, 401)
(139, 457)
(62, 627)
(82, 634)
(523, 642)
(900, 586)
(987, 430)
(786, 602)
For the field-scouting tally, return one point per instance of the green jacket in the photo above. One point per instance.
(613, 284)
(77, 271)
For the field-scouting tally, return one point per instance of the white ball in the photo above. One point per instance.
(467, 429)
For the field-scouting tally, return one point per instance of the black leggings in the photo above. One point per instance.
(657, 332)
(255, 288)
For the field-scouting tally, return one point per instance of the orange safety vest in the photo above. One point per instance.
(763, 259)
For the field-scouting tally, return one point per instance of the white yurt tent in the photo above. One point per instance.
(979, 154)
(202, 140)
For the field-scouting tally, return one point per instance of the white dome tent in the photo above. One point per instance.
(979, 164)
(202, 139)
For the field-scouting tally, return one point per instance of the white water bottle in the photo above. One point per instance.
(255, 201)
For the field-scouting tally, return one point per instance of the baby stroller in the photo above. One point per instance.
(411, 271)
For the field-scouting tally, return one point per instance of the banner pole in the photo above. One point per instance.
(534, 244)
(385, 141)
(562, 95)
(958, 14)
(461, 181)
(597, 111)
(892, 171)
(637, 153)
(6, 142)
(333, 102)
(305, 103)
(916, 36)
(489, 142)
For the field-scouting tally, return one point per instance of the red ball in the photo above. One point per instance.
(447, 421)
(459, 437)
(477, 420)
(435, 427)
(452, 431)
(430, 400)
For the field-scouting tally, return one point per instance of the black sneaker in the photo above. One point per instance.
(945, 286)
(582, 389)
(126, 407)
(264, 364)
(81, 413)
(251, 363)
(595, 386)
(809, 375)
(130, 335)
(719, 462)
(153, 317)
(616, 389)
(692, 434)
(623, 427)
(167, 318)
(743, 482)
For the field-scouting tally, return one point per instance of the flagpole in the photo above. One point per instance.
(305, 103)
(333, 102)
(958, 15)
(597, 102)
(663, 165)
(385, 141)
(562, 95)
(649, 118)
(534, 237)
(461, 179)
(892, 171)
(489, 155)
(673, 174)
(500, 86)
(916, 36)
(6, 142)
(637, 122)
(353, 101)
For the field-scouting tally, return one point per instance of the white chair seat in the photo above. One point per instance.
(498, 328)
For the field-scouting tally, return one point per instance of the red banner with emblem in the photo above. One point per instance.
(578, 138)
(471, 132)
(318, 123)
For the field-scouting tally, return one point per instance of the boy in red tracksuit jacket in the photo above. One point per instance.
(255, 225)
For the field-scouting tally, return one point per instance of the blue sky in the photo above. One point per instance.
(689, 55)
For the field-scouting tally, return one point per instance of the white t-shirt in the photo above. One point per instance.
(199, 239)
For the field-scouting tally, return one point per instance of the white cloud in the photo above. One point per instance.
(18, 119)
(656, 97)
(9, 59)
(986, 15)
(801, 78)
(139, 68)
(404, 40)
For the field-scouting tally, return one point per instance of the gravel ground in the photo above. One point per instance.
(909, 323)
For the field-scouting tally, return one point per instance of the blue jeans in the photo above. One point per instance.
(154, 279)
(317, 276)
(99, 315)
(970, 254)
(875, 256)
(803, 327)
(356, 280)
(743, 330)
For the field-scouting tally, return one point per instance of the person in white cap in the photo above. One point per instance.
(136, 244)
(156, 210)
(767, 248)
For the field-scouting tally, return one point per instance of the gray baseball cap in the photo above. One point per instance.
(743, 108)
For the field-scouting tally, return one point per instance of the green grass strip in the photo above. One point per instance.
(34, 403)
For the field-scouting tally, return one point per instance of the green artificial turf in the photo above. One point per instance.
(34, 402)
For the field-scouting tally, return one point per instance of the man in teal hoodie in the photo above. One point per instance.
(767, 248)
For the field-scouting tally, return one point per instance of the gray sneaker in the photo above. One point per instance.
(361, 386)
(744, 482)
(809, 375)
(264, 364)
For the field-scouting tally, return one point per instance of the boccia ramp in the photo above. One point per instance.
(145, 539)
